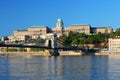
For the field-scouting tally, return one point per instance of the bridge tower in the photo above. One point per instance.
(51, 41)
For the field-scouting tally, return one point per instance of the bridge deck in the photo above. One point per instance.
(35, 46)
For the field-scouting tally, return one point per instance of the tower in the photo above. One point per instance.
(59, 27)
(59, 23)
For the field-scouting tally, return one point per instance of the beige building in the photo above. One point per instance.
(17, 38)
(114, 44)
(33, 32)
(80, 28)
(103, 30)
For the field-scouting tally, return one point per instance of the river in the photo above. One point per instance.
(60, 68)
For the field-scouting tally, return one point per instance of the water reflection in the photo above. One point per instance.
(114, 67)
(85, 68)
(58, 68)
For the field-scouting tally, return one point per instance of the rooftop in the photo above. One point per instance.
(38, 26)
(80, 25)
(103, 27)
(21, 30)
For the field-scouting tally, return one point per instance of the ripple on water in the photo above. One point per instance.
(59, 68)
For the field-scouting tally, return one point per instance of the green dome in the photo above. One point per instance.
(59, 20)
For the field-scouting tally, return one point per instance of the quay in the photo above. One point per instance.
(108, 53)
(21, 53)
(61, 53)
(40, 53)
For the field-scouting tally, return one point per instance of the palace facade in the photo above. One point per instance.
(35, 32)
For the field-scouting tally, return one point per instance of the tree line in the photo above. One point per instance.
(79, 39)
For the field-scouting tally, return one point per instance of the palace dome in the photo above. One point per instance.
(59, 20)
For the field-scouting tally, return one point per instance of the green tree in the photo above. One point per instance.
(82, 35)
(81, 42)
(117, 33)
(89, 39)
(37, 49)
(21, 49)
(79, 39)
(71, 33)
(75, 42)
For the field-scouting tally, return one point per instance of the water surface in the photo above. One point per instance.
(60, 68)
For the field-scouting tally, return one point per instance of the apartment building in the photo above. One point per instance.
(114, 44)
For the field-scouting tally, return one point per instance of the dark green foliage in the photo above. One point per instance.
(79, 39)
(75, 41)
(11, 49)
(21, 49)
(37, 49)
(117, 33)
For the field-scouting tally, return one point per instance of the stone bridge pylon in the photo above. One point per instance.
(51, 41)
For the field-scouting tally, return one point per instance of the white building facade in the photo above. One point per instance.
(114, 44)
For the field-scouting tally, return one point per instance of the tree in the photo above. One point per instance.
(71, 33)
(89, 40)
(16, 41)
(66, 40)
(81, 42)
(79, 39)
(21, 49)
(75, 41)
(117, 33)
(82, 35)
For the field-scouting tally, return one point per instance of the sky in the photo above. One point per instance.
(21, 14)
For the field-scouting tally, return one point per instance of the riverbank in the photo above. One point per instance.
(22, 53)
(41, 53)
(109, 53)
(61, 53)
(70, 53)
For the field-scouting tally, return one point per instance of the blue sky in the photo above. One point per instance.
(21, 14)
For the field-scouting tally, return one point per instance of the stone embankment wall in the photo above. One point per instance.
(70, 53)
(109, 53)
(22, 53)
(41, 53)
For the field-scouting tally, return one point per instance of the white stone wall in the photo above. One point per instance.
(114, 44)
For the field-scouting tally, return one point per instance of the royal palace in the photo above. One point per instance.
(35, 32)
